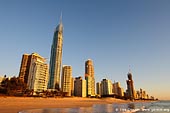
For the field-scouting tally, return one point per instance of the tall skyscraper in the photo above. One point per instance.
(89, 76)
(56, 58)
(38, 74)
(66, 81)
(130, 87)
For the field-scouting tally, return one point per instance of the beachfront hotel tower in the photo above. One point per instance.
(89, 77)
(56, 58)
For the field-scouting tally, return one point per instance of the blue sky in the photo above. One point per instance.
(113, 33)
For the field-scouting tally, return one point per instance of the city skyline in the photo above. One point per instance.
(113, 34)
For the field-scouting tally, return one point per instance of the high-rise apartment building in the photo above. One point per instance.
(90, 86)
(117, 90)
(79, 87)
(106, 87)
(24, 68)
(98, 88)
(38, 73)
(89, 77)
(66, 81)
(131, 94)
(72, 86)
(120, 92)
(115, 87)
(56, 58)
(30, 67)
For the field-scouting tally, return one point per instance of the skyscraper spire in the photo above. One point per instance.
(60, 25)
(61, 18)
(129, 69)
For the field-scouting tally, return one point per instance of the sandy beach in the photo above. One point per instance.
(16, 104)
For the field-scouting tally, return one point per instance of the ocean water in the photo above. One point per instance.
(143, 107)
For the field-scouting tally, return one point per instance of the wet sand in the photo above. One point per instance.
(16, 104)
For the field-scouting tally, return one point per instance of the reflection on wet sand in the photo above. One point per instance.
(98, 108)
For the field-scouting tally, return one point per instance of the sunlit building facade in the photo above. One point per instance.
(72, 86)
(106, 87)
(120, 92)
(116, 85)
(117, 89)
(38, 74)
(66, 80)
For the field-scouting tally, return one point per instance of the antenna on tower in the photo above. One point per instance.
(129, 69)
(61, 17)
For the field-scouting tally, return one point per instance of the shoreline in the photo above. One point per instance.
(16, 104)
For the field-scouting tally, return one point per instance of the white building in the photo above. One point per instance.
(38, 74)
(79, 87)
(106, 87)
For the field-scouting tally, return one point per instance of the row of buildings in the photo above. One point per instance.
(39, 76)
(34, 71)
(107, 88)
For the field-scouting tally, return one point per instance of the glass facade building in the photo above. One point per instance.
(56, 58)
